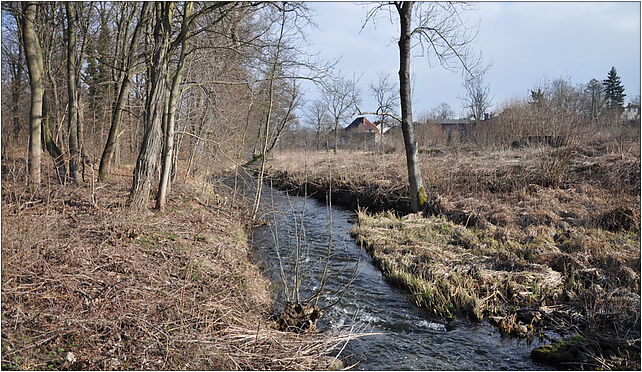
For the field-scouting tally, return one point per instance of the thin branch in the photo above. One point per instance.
(386, 114)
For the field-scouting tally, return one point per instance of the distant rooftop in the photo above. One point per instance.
(362, 124)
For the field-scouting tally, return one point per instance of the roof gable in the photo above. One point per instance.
(362, 124)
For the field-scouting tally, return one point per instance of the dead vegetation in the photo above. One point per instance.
(86, 285)
(533, 238)
(583, 282)
(594, 185)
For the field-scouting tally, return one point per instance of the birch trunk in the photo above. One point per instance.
(336, 136)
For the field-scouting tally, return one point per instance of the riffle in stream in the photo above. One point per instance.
(408, 337)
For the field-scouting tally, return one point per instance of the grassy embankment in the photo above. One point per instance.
(88, 285)
(532, 238)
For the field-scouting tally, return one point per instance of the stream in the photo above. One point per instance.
(407, 338)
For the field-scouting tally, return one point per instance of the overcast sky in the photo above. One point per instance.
(526, 43)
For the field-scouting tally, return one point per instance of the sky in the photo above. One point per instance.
(526, 43)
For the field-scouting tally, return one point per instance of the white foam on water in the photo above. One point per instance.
(431, 325)
(369, 318)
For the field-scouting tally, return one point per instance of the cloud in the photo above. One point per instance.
(525, 41)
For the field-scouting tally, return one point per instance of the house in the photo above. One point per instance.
(452, 127)
(463, 127)
(361, 132)
(631, 112)
(384, 127)
(448, 125)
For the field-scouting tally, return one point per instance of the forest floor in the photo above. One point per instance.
(87, 284)
(533, 239)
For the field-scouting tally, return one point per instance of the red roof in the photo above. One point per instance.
(362, 125)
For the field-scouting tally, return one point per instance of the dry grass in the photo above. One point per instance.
(564, 187)
(451, 269)
(534, 238)
(88, 285)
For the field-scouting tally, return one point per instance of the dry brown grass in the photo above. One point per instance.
(535, 238)
(83, 277)
(569, 186)
(582, 281)
(451, 269)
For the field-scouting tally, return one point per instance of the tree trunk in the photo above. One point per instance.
(124, 86)
(417, 193)
(171, 116)
(72, 92)
(35, 64)
(264, 145)
(16, 94)
(336, 136)
(147, 163)
(114, 129)
(196, 146)
(50, 144)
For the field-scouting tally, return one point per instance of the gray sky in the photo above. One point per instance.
(526, 43)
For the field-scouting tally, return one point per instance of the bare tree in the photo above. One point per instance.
(170, 109)
(159, 101)
(340, 98)
(385, 93)
(317, 115)
(271, 77)
(34, 34)
(418, 195)
(477, 100)
(442, 112)
(440, 32)
(127, 59)
(147, 162)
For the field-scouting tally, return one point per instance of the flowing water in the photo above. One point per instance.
(408, 338)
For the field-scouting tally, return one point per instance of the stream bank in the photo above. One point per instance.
(403, 336)
(89, 285)
(527, 270)
(343, 192)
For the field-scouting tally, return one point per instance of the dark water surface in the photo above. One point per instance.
(410, 339)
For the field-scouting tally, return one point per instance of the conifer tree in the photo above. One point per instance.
(613, 90)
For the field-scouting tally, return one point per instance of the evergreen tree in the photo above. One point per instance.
(613, 90)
